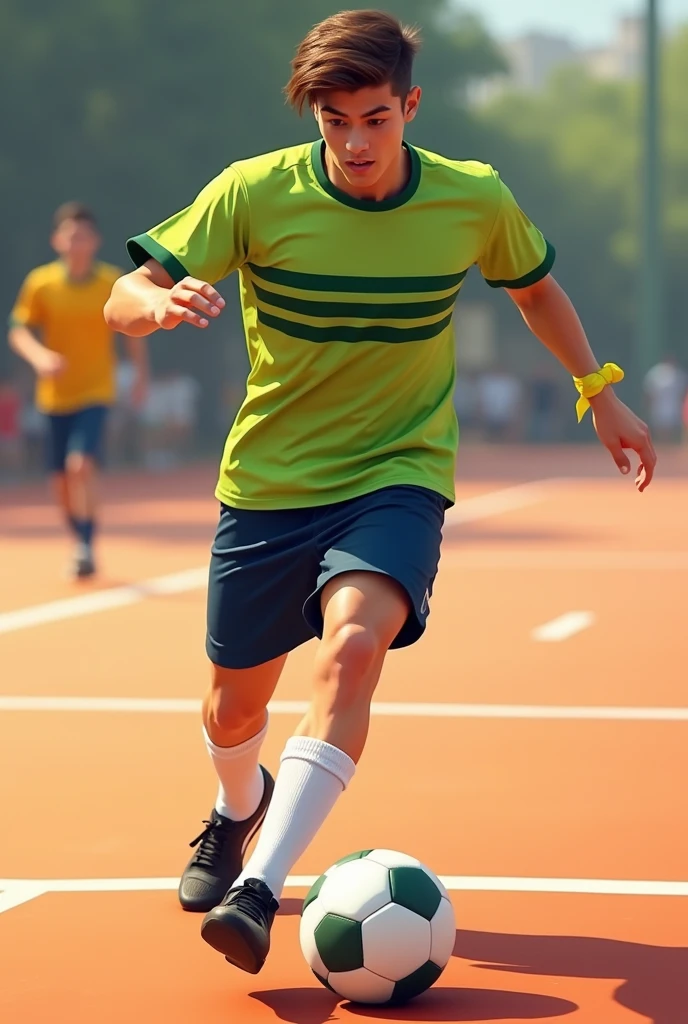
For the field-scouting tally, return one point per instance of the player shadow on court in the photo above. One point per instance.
(653, 980)
(316, 1005)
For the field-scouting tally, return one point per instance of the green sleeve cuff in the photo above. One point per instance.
(533, 277)
(142, 248)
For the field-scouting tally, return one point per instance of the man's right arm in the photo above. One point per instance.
(147, 300)
(44, 361)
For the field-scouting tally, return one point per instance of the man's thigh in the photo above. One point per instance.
(263, 566)
(397, 532)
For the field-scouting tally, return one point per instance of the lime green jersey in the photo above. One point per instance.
(347, 307)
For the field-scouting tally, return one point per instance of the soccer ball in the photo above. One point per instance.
(377, 927)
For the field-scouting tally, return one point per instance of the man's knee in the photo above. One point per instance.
(79, 466)
(236, 702)
(351, 650)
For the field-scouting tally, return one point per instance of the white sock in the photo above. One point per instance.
(241, 780)
(312, 776)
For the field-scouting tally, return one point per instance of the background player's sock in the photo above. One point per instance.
(73, 524)
(241, 780)
(312, 776)
(85, 529)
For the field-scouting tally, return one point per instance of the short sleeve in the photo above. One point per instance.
(208, 239)
(515, 254)
(28, 308)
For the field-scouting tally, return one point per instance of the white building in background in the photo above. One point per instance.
(624, 58)
(532, 58)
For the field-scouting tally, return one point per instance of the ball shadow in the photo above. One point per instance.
(316, 1006)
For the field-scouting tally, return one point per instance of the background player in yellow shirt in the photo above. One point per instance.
(57, 326)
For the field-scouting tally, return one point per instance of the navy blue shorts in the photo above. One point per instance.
(80, 431)
(267, 568)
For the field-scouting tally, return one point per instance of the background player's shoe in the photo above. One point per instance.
(219, 857)
(240, 927)
(83, 565)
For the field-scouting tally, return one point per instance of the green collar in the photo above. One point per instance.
(369, 205)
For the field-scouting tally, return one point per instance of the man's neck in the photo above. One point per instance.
(77, 271)
(392, 182)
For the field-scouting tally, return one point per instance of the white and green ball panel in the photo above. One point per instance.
(390, 942)
(408, 882)
(362, 986)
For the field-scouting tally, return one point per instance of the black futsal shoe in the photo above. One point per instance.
(219, 855)
(240, 927)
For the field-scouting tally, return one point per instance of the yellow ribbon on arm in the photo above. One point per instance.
(593, 383)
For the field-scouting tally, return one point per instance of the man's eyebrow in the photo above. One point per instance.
(338, 113)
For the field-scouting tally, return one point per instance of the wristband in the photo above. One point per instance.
(593, 383)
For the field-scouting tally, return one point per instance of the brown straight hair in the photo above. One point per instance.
(74, 211)
(352, 50)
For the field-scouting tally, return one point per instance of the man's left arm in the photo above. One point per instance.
(551, 317)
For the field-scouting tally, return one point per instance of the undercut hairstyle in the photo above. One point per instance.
(74, 211)
(352, 50)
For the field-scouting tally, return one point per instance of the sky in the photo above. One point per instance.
(586, 22)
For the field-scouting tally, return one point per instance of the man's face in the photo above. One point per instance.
(76, 240)
(363, 131)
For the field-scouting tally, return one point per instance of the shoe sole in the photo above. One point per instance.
(204, 908)
(232, 945)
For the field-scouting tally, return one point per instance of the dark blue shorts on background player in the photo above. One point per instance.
(80, 431)
(268, 568)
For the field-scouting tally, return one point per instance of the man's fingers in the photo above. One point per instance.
(188, 297)
(175, 313)
(620, 457)
(648, 461)
(204, 289)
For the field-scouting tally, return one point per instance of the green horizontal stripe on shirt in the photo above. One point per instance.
(347, 333)
(531, 278)
(358, 310)
(336, 283)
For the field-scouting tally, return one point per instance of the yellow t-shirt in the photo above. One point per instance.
(68, 316)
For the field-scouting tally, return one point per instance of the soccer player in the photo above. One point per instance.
(340, 465)
(57, 326)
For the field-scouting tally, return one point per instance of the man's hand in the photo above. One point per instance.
(47, 363)
(179, 304)
(618, 428)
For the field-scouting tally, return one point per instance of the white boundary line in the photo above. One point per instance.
(387, 709)
(466, 510)
(102, 600)
(15, 891)
(563, 627)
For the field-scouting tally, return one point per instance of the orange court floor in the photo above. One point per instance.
(531, 749)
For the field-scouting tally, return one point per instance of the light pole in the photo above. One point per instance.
(650, 342)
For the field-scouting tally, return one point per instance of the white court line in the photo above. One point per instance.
(389, 709)
(466, 510)
(494, 503)
(27, 889)
(102, 600)
(16, 893)
(563, 627)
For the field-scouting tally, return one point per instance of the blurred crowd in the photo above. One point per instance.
(158, 435)
(497, 405)
(493, 405)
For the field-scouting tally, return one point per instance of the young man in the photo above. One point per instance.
(57, 326)
(340, 464)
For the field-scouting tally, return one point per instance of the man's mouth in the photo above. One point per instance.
(359, 166)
